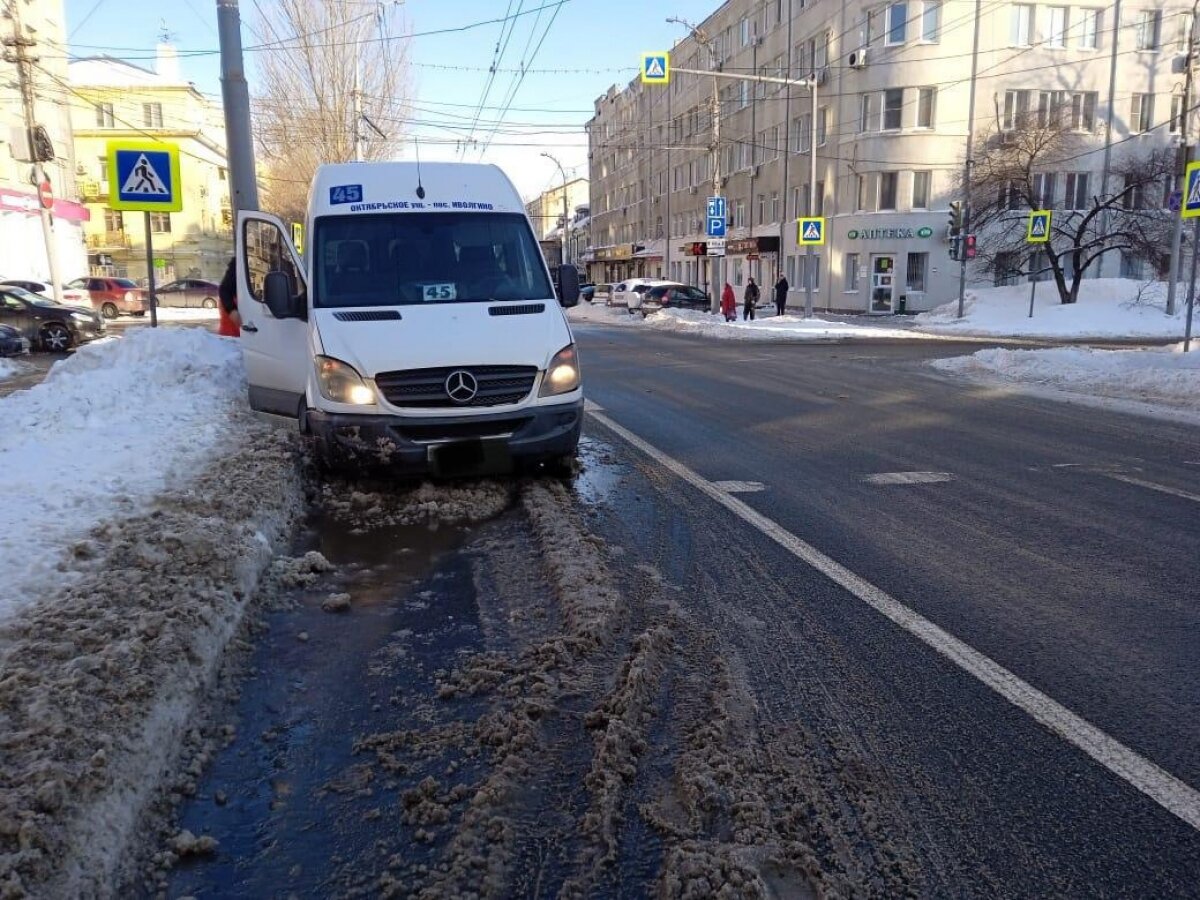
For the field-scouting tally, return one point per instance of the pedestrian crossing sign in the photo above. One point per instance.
(810, 231)
(1038, 230)
(656, 68)
(143, 176)
(1190, 208)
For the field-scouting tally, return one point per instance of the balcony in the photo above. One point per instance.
(109, 240)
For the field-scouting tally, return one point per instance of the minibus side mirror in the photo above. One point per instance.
(568, 286)
(277, 293)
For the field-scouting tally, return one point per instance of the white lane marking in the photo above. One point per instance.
(1169, 792)
(1161, 488)
(908, 477)
(592, 406)
(739, 487)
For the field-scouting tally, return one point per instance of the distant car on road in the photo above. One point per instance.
(70, 295)
(48, 325)
(679, 296)
(188, 293)
(112, 296)
(636, 290)
(12, 342)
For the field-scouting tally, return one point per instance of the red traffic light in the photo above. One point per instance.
(969, 246)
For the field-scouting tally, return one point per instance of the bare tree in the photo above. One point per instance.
(315, 55)
(1043, 163)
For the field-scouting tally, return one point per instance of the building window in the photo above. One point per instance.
(1149, 27)
(152, 115)
(1176, 113)
(1076, 196)
(850, 273)
(860, 201)
(918, 265)
(1091, 22)
(739, 214)
(925, 106)
(762, 209)
(1083, 111)
(745, 30)
(897, 22)
(931, 21)
(893, 106)
(806, 133)
(920, 197)
(1010, 196)
(1134, 193)
(775, 206)
(796, 202)
(1131, 266)
(160, 223)
(1184, 36)
(113, 220)
(887, 190)
(1057, 34)
(104, 116)
(822, 125)
(1141, 113)
(1016, 108)
(1022, 25)
(864, 117)
(1043, 190)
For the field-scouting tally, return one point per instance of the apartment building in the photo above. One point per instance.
(111, 99)
(890, 127)
(22, 243)
(546, 212)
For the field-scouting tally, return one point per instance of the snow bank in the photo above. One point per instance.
(9, 368)
(1164, 377)
(600, 314)
(1108, 308)
(110, 427)
(174, 314)
(775, 328)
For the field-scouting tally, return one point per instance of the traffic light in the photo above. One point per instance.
(956, 218)
(969, 246)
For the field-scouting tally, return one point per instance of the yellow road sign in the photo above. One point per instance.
(810, 231)
(656, 68)
(1189, 208)
(143, 176)
(1038, 230)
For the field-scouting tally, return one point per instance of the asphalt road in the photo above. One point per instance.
(1030, 548)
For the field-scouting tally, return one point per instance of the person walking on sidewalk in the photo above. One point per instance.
(781, 292)
(231, 322)
(729, 303)
(751, 297)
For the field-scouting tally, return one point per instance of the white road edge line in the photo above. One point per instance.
(1169, 792)
(1161, 488)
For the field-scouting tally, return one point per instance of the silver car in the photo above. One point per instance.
(190, 293)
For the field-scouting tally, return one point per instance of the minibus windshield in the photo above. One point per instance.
(387, 259)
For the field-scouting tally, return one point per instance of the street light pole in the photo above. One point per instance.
(566, 252)
(968, 165)
(809, 271)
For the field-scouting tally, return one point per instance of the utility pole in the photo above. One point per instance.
(1108, 120)
(1184, 156)
(968, 165)
(356, 99)
(20, 44)
(566, 253)
(809, 266)
(239, 137)
(787, 146)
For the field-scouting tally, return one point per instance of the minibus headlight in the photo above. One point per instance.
(562, 375)
(341, 384)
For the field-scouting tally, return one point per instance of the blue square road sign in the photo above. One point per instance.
(716, 226)
(716, 207)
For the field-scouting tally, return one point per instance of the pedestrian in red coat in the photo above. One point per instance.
(729, 303)
(230, 321)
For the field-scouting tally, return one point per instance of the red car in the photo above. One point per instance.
(112, 297)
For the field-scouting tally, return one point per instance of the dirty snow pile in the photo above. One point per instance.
(110, 427)
(8, 368)
(774, 328)
(1108, 308)
(1164, 376)
(599, 313)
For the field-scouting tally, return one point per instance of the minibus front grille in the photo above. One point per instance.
(427, 388)
(367, 315)
(527, 309)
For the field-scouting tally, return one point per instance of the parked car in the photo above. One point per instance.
(190, 293)
(621, 292)
(71, 296)
(602, 292)
(12, 342)
(112, 296)
(47, 325)
(637, 290)
(680, 296)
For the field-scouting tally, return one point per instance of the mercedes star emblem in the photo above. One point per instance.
(461, 386)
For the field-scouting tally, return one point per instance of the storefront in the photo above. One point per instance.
(900, 268)
(612, 264)
(755, 257)
(24, 246)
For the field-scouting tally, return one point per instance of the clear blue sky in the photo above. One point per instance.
(599, 41)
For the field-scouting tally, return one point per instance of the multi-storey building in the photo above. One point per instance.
(22, 243)
(546, 212)
(115, 100)
(890, 128)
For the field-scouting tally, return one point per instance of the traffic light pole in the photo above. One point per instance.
(968, 164)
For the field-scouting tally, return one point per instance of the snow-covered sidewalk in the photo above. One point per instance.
(776, 328)
(1163, 379)
(1107, 309)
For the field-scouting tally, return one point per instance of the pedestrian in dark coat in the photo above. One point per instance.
(781, 294)
(751, 300)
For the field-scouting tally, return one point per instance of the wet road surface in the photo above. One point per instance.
(621, 689)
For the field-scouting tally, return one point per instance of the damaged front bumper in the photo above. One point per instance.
(482, 444)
